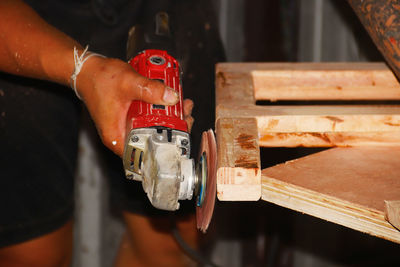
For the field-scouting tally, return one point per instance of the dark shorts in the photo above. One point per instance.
(38, 144)
(39, 121)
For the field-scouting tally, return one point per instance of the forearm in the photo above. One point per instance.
(31, 47)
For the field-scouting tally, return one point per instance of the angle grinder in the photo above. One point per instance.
(157, 147)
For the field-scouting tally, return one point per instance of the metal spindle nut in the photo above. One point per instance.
(184, 142)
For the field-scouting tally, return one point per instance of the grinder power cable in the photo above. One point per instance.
(157, 146)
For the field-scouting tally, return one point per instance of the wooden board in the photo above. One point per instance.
(314, 81)
(392, 212)
(238, 169)
(347, 186)
(321, 126)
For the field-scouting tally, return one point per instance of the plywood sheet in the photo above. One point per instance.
(347, 186)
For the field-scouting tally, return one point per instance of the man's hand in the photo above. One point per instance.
(187, 113)
(108, 86)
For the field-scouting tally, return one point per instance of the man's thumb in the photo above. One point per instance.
(170, 96)
(155, 92)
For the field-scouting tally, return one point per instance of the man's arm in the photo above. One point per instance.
(30, 47)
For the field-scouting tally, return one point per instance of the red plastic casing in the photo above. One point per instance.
(144, 115)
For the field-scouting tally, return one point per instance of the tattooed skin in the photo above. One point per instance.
(381, 18)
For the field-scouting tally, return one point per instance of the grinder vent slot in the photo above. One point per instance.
(133, 157)
(140, 160)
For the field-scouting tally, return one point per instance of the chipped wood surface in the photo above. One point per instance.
(328, 139)
(392, 212)
(347, 186)
(238, 174)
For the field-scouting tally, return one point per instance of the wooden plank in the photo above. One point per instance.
(392, 212)
(313, 81)
(331, 119)
(291, 126)
(226, 109)
(233, 89)
(238, 170)
(329, 139)
(347, 186)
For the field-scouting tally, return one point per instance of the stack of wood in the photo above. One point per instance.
(356, 184)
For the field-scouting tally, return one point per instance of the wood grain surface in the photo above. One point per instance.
(238, 168)
(392, 212)
(348, 186)
(312, 81)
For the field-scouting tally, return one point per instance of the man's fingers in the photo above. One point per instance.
(187, 113)
(189, 120)
(154, 92)
(187, 107)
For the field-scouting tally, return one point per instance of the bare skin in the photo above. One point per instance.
(30, 47)
(138, 248)
(51, 250)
